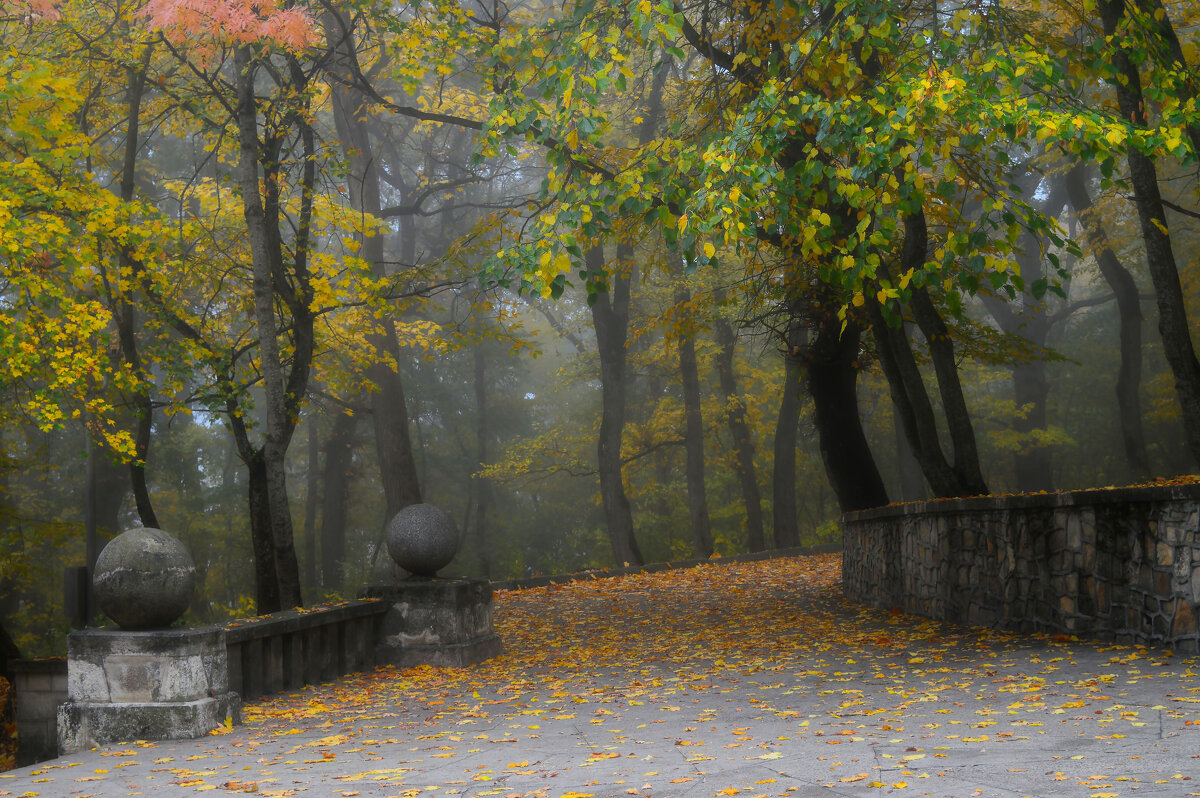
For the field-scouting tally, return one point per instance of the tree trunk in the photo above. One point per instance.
(483, 487)
(338, 452)
(266, 580)
(389, 405)
(954, 403)
(702, 542)
(264, 257)
(1172, 313)
(312, 494)
(739, 430)
(963, 477)
(911, 480)
(610, 317)
(124, 313)
(1129, 310)
(1030, 390)
(831, 367)
(911, 403)
(784, 519)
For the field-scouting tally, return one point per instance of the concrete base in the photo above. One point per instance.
(165, 684)
(445, 623)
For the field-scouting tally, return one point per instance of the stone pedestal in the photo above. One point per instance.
(122, 685)
(445, 623)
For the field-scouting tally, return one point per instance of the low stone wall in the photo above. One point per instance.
(1120, 564)
(289, 649)
(40, 685)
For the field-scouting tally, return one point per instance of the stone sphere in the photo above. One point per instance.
(422, 538)
(144, 579)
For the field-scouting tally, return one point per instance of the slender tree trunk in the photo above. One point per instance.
(1172, 313)
(278, 424)
(338, 451)
(483, 487)
(911, 480)
(954, 403)
(910, 398)
(739, 430)
(124, 313)
(610, 317)
(784, 519)
(389, 404)
(312, 498)
(831, 368)
(702, 542)
(911, 403)
(1030, 390)
(1129, 311)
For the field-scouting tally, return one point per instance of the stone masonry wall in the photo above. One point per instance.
(1119, 564)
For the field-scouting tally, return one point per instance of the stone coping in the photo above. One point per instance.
(655, 567)
(289, 621)
(38, 665)
(1025, 501)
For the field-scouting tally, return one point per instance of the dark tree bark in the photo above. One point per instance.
(120, 291)
(1164, 273)
(267, 597)
(831, 376)
(963, 476)
(389, 404)
(702, 543)
(954, 403)
(283, 388)
(8, 652)
(1129, 310)
(339, 449)
(739, 430)
(610, 317)
(784, 520)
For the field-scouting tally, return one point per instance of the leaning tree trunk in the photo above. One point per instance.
(831, 372)
(1129, 312)
(693, 439)
(1160, 258)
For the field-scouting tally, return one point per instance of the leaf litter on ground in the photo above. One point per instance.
(614, 657)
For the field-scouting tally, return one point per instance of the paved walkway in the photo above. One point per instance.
(750, 679)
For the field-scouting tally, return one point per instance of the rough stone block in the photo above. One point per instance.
(161, 684)
(1165, 555)
(85, 725)
(1184, 622)
(439, 622)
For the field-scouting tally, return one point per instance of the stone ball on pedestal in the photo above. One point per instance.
(422, 538)
(144, 579)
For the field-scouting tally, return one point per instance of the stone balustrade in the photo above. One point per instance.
(289, 649)
(1120, 564)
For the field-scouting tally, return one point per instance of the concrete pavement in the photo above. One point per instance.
(751, 679)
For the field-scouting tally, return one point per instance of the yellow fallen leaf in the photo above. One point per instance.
(856, 777)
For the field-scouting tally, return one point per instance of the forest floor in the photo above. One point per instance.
(750, 679)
